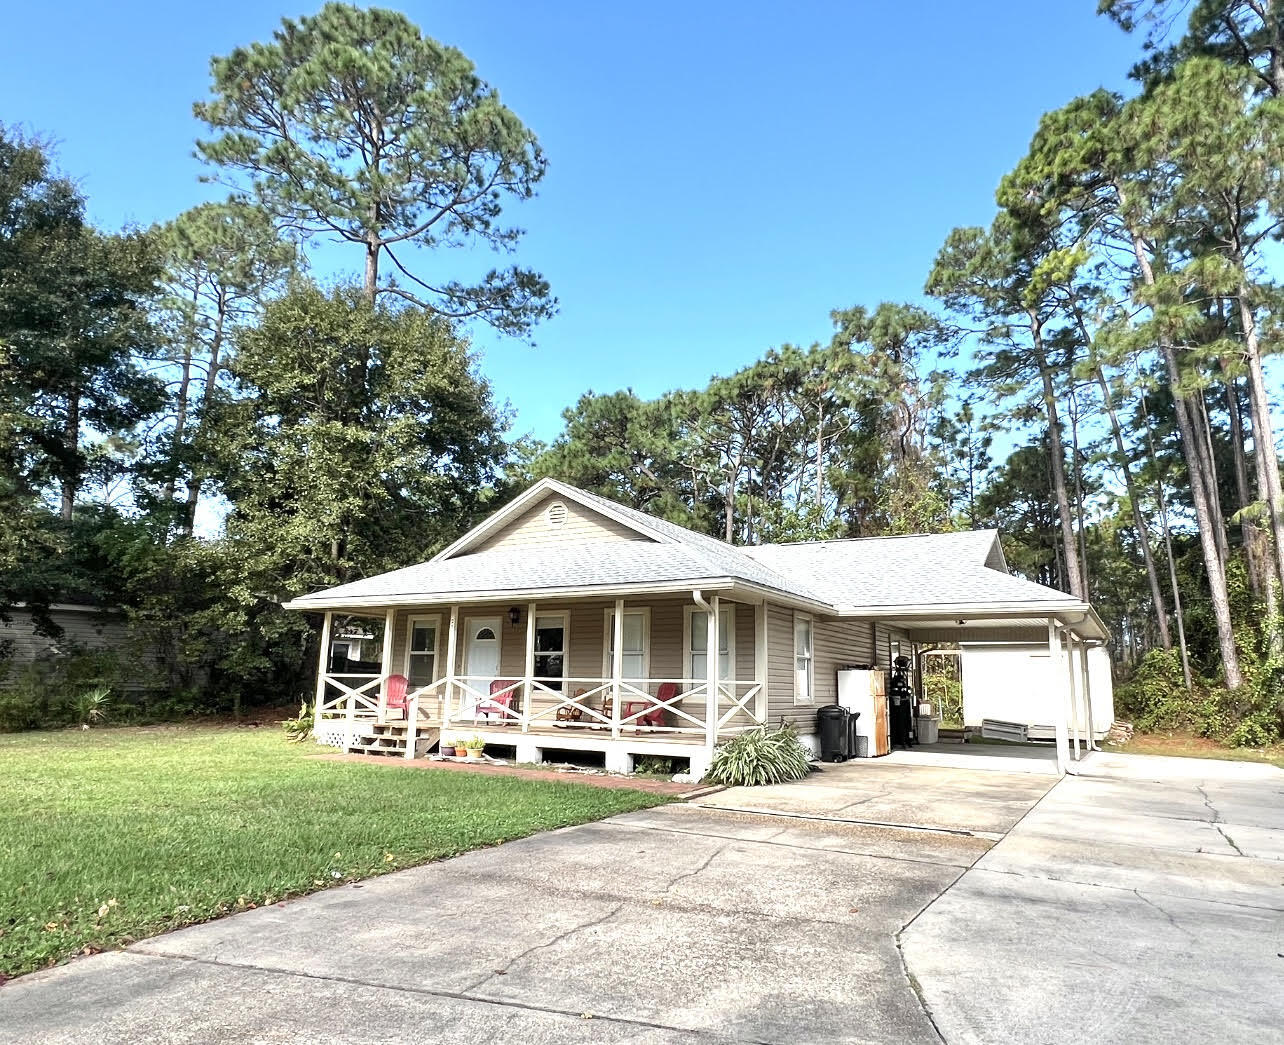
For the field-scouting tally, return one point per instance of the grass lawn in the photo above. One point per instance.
(112, 835)
(1187, 745)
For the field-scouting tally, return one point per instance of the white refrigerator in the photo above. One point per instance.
(864, 691)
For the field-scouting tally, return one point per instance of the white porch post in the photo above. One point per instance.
(760, 659)
(1073, 685)
(323, 664)
(1056, 680)
(617, 667)
(1086, 689)
(452, 641)
(385, 662)
(711, 663)
(530, 667)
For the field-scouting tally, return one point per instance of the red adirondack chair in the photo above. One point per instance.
(396, 690)
(654, 716)
(498, 703)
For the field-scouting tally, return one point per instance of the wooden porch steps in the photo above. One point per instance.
(389, 738)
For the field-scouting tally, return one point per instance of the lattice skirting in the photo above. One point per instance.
(332, 734)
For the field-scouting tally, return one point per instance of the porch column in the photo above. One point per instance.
(711, 663)
(760, 659)
(1072, 683)
(1056, 676)
(617, 667)
(385, 662)
(323, 664)
(452, 640)
(1086, 688)
(530, 666)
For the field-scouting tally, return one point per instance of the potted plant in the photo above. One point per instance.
(447, 746)
(461, 749)
(474, 746)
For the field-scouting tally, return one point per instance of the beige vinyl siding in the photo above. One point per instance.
(532, 529)
(84, 628)
(836, 642)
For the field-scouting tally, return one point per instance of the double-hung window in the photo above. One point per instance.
(637, 627)
(550, 649)
(421, 651)
(804, 662)
(697, 656)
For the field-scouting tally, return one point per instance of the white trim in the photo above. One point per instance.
(411, 621)
(524, 500)
(811, 661)
(607, 634)
(727, 613)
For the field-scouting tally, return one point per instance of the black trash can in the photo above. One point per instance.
(834, 729)
(853, 741)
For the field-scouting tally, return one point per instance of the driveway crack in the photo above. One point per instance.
(1167, 914)
(559, 938)
(1217, 821)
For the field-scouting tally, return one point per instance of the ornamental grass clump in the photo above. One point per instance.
(761, 756)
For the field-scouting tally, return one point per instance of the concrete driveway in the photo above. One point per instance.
(696, 923)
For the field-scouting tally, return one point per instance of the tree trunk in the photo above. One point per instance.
(196, 480)
(180, 417)
(1267, 460)
(1138, 517)
(1071, 552)
(1204, 430)
(1172, 562)
(1260, 568)
(1213, 563)
(1078, 490)
(70, 478)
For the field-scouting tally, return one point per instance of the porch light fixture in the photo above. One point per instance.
(514, 615)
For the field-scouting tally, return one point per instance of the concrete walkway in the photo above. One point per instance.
(1139, 903)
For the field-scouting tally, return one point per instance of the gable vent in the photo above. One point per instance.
(556, 514)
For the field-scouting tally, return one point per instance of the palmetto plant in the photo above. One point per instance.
(761, 756)
(299, 729)
(93, 706)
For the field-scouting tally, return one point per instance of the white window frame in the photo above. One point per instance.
(727, 612)
(566, 643)
(810, 697)
(423, 618)
(608, 635)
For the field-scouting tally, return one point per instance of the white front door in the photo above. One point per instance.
(481, 656)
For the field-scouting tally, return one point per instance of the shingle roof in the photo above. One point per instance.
(922, 570)
(919, 570)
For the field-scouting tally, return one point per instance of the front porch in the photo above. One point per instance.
(459, 664)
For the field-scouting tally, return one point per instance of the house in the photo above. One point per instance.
(568, 623)
(1011, 681)
(101, 632)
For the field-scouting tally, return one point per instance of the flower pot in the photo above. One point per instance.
(474, 752)
(461, 752)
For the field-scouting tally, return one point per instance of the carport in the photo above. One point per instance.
(1069, 629)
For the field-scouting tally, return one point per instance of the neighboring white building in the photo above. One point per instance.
(1013, 682)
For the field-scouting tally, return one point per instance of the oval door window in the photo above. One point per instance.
(485, 633)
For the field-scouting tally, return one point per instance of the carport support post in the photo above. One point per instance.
(1056, 675)
(760, 660)
(1086, 687)
(1074, 691)
(323, 661)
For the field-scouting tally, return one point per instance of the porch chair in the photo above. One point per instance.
(396, 695)
(653, 717)
(497, 703)
(571, 712)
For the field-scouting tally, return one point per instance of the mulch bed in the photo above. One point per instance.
(658, 787)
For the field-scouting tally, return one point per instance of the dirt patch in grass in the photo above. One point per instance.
(1187, 745)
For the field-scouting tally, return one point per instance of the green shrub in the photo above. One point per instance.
(93, 706)
(945, 692)
(760, 756)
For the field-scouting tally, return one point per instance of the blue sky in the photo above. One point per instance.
(722, 174)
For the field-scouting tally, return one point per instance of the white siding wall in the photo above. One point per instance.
(1014, 682)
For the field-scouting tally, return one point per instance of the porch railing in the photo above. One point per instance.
(638, 706)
